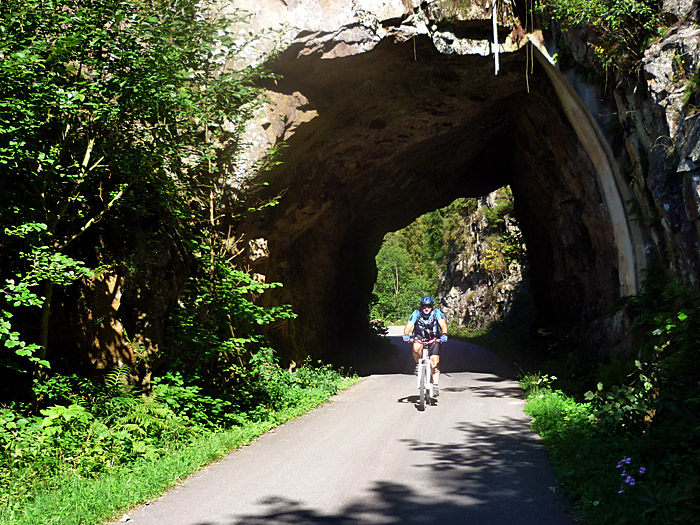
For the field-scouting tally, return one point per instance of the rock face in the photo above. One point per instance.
(390, 109)
(669, 133)
(480, 283)
(658, 137)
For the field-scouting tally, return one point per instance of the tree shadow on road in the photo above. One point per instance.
(494, 386)
(493, 474)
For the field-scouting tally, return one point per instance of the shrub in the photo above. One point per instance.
(622, 28)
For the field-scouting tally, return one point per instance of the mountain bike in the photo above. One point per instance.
(425, 381)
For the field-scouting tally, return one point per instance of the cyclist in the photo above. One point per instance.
(427, 323)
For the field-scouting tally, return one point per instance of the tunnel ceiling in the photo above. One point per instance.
(373, 140)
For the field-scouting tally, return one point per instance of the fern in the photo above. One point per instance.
(118, 380)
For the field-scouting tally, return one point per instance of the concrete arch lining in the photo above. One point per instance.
(631, 261)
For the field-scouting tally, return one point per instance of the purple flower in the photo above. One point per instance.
(628, 478)
(624, 461)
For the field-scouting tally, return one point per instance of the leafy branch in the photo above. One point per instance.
(141, 87)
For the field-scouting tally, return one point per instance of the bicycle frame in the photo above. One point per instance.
(425, 382)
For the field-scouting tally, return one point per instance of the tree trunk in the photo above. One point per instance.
(44, 328)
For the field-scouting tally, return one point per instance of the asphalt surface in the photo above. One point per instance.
(370, 456)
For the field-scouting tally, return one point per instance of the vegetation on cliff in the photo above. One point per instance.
(622, 28)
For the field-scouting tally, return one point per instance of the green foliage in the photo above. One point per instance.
(189, 402)
(536, 383)
(101, 429)
(614, 478)
(691, 96)
(555, 414)
(503, 250)
(102, 105)
(402, 278)
(644, 412)
(501, 213)
(377, 327)
(667, 359)
(11, 340)
(505, 242)
(214, 333)
(454, 216)
(624, 26)
(631, 406)
(43, 265)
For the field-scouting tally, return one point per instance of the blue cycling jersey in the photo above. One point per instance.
(414, 316)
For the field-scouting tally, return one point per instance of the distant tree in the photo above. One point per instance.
(401, 279)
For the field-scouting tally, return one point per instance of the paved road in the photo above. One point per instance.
(370, 456)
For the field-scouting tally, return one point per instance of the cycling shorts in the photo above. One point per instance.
(434, 348)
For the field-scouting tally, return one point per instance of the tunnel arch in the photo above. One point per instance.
(376, 139)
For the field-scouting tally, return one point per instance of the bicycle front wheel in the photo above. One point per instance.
(422, 388)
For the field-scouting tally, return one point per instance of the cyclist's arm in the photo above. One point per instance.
(443, 326)
(408, 329)
(441, 321)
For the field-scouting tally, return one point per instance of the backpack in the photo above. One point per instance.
(427, 326)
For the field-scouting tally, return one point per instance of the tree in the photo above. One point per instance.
(401, 280)
(107, 104)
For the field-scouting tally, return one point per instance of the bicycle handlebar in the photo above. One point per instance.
(426, 342)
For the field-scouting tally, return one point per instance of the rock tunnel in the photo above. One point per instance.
(375, 139)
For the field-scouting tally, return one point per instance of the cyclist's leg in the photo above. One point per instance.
(417, 351)
(435, 365)
(435, 362)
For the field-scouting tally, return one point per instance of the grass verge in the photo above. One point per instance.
(81, 501)
(614, 478)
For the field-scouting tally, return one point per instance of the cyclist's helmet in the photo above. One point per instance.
(427, 301)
